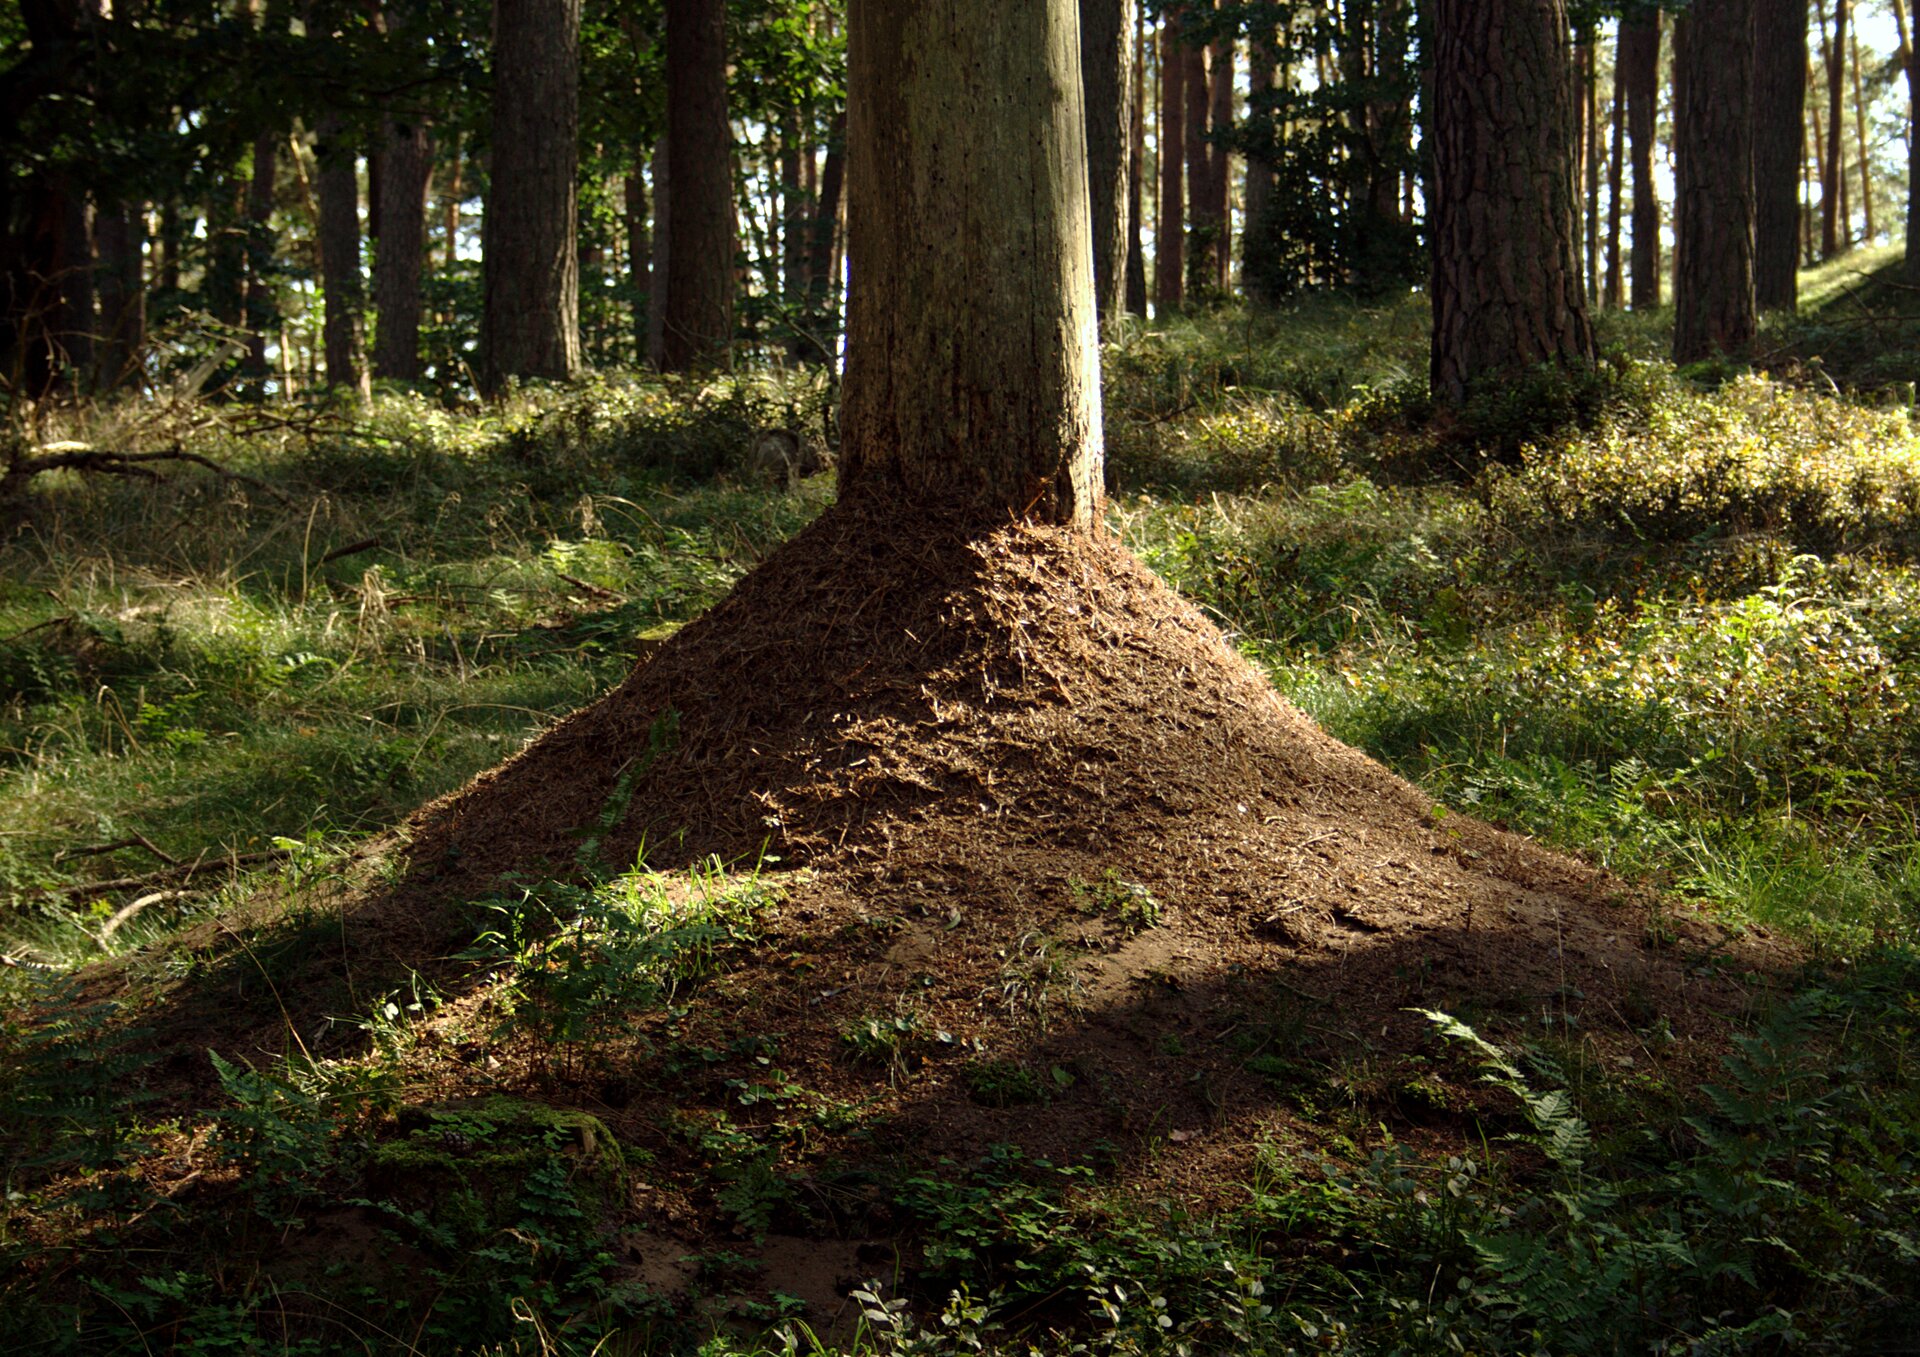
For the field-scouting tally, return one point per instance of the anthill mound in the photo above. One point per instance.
(982, 744)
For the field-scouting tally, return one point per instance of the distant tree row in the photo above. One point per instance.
(291, 194)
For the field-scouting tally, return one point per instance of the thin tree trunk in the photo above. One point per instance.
(117, 237)
(1260, 80)
(1713, 211)
(1590, 153)
(1202, 231)
(1106, 63)
(341, 282)
(1220, 162)
(1833, 216)
(260, 310)
(661, 266)
(1169, 237)
(1860, 135)
(451, 203)
(405, 173)
(822, 275)
(1506, 289)
(530, 324)
(973, 373)
(700, 213)
(1640, 61)
(1910, 265)
(1779, 136)
(1615, 295)
(796, 211)
(639, 251)
(1137, 170)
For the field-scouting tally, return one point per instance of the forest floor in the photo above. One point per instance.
(955, 936)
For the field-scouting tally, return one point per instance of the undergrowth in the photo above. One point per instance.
(1665, 620)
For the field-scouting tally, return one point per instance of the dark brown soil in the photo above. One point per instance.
(948, 739)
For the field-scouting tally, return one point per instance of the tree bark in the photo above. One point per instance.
(1260, 76)
(260, 310)
(530, 325)
(1170, 233)
(661, 265)
(639, 251)
(1640, 62)
(1614, 296)
(822, 278)
(1860, 133)
(1833, 182)
(1590, 98)
(1136, 288)
(1106, 63)
(1506, 270)
(1714, 202)
(341, 282)
(1910, 264)
(973, 341)
(700, 218)
(1779, 134)
(1202, 229)
(118, 236)
(406, 171)
(1219, 214)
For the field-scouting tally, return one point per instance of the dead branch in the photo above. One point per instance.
(134, 840)
(134, 465)
(168, 876)
(352, 549)
(593, 590)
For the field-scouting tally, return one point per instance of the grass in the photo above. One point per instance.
(1665, 620)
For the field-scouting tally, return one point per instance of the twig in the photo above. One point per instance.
(170, 875)
(352, 549)
(593, 589)
(37, 626)
(134, 840)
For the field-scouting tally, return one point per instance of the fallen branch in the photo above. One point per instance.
(352, 549)
(134, 465)
(134, 840)
(593, 589)
(186, 871)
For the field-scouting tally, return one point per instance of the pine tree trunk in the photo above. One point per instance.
(1833, 217)
(1137, 170)
(260, 311)
(1779, 134)
(1506, 273)
(795, 212)
(1201, 228)
(1615, 295)
(406, 171)
(1106, 62)
(341, 282)
(639, 251)
(973, 347)
(1170, 234)
(700, 216)
(1220, 66)
(530, 325)
(1260, 75)
(117, 237)
(822, 278)
(1910, 264)
(1714, 202)
(1640, 63)
(660, 267)
(450, 205)
(1860, 135)
(1590, 96)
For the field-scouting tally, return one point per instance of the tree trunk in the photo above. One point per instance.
(1106, 62)
(1833, 217)
(1779, 134)
(1640, 63)
(661, 265)
(1590, 96)
(1260, 76)
(822, 277)
(260, 310)
(1615, 295)
(450, 228)
(1198, 92)
(1137, 169)
(1506, 271)
(1219, 162)
(1714, 203)
(699, 310)
(118, 236)
(973, 343)
(639, 252)
(341, 282)
(796, 212)
(530, 324)
(1169, 237)
(1910, 264)
(406, 170)
(1860, 134)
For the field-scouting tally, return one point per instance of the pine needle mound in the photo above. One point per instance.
(980, 743)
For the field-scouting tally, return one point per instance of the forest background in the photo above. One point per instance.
(360, 425)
